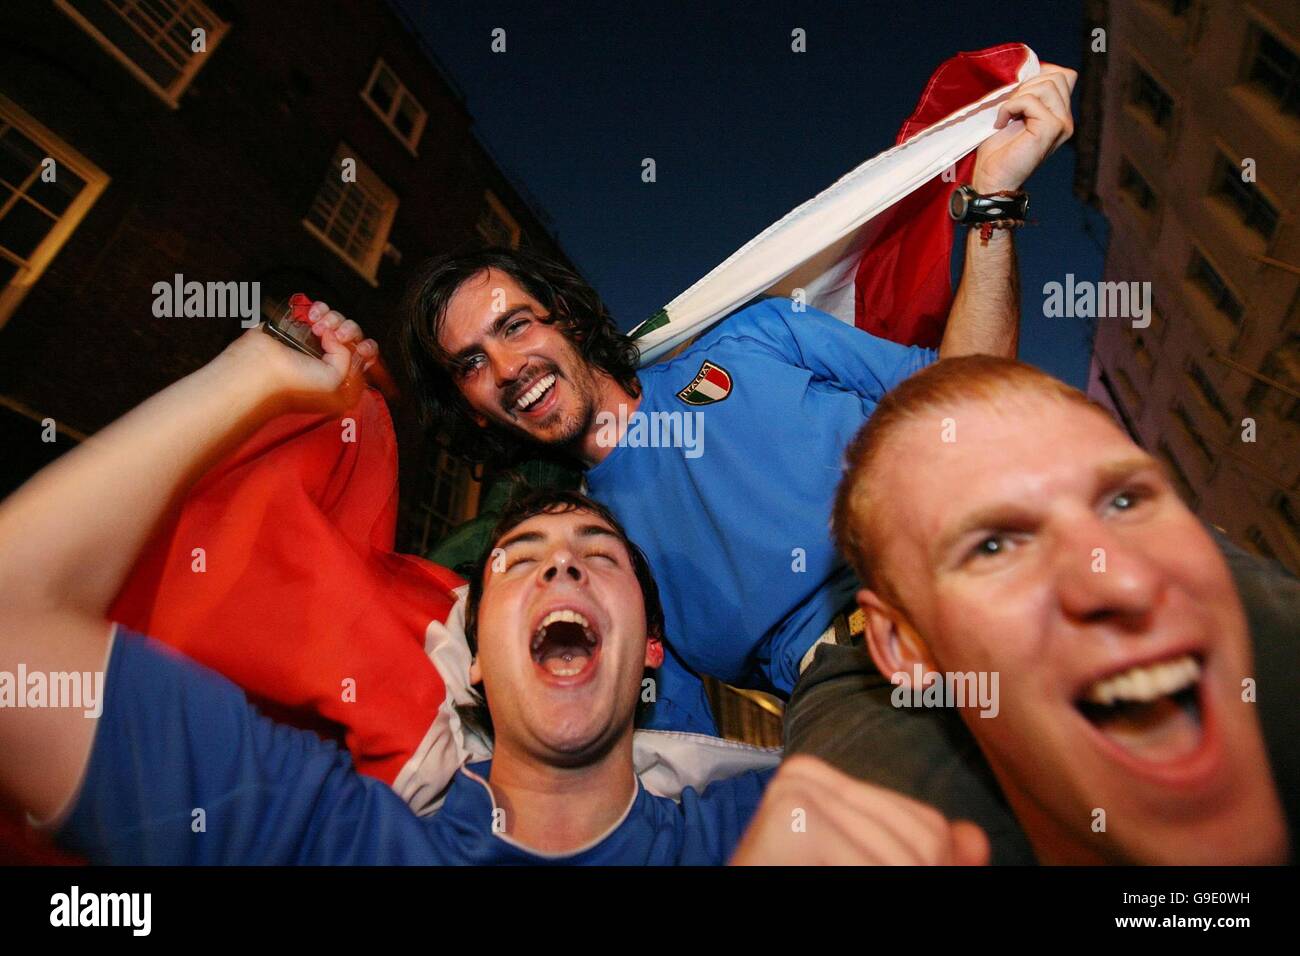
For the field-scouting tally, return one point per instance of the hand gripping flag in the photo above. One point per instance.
(874, 249)
(279, 572)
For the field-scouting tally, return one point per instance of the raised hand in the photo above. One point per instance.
(1032, 124)
(331, 382)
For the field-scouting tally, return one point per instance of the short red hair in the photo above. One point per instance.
(981, 378)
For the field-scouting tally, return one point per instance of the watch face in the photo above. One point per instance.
(957, 205)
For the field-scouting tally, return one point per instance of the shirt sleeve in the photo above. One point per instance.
(185, 771)
(833, 351)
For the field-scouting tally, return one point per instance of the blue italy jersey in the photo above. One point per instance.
(185, 771)
(735, 515)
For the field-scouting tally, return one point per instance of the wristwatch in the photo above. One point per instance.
(968, 207)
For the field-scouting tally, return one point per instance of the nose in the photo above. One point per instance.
(506, 365)
(1106, 577)
(561, 565)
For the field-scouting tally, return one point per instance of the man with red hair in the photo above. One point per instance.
(1040, 546)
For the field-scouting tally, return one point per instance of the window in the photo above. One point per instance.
(1289, 514)
(1128, 388)
(1251, 206)
(1276, 70)
(1150, 97)
(1193, 433)
(1143, 353)
(37, 216)
(353, 217)
(1280, 378)
(1181, 481)
(496, 225)
(1137, 188)
(394, 104)
(1204, 388)
(443, 506)
(154, 39)
(1216, 290)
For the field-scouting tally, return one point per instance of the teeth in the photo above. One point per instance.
(536, 392)
(1147, 683)
(572, 617)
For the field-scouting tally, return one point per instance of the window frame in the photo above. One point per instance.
(369, 269)
(1226, 170)
(1198, 255)
(503, 216)
(95, 179)
(171, 95)
(402, 92)
(1258, 31)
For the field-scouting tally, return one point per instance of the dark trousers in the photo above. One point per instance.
(841, 711)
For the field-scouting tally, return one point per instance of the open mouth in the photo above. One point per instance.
(535, 396)
(1152, 712)
(565, 644)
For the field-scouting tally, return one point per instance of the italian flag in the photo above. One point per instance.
(873, 249)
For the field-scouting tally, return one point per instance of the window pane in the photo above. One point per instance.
(404, 121)
(19, 157)
(23, 228)
(383, 90)
(58, 195)
(135, 33)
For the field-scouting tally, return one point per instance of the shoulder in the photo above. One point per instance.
(758, 327)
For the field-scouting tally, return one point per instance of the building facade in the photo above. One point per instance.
(1191, 147)
(305, 147)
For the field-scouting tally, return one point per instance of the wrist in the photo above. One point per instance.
(243, 378)
(990, 187)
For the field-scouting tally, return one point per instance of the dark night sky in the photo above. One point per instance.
(742, 129)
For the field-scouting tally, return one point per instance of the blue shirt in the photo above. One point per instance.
(737, 529)
(176, 738)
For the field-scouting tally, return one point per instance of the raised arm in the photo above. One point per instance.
(70, 535)
(985, 316)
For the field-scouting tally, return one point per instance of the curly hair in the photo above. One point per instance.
(552, 501)
(569, 302)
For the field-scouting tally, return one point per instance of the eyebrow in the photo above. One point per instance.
(530, 537)
(1002, 512)
(494, 331)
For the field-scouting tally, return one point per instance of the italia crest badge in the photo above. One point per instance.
(712, 384)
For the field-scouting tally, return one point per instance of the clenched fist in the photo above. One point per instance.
(812, 814)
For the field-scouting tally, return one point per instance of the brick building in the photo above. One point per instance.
(223, 165)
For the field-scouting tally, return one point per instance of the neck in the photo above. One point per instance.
(556, 809)
(614, 404)
(1052, 843)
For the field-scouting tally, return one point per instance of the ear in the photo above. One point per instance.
(893, 643)
(654, 651)
(475, 672)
